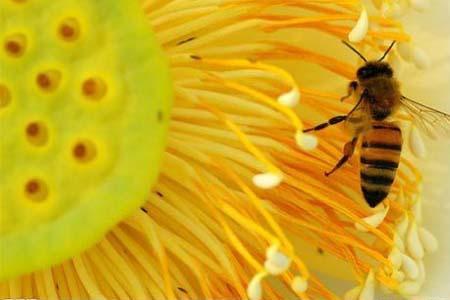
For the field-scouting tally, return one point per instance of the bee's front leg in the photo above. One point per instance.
(352, 86)
(349, 148)
(332, 121)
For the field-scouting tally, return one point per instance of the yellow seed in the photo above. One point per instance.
(94, 88)
(84, 151)
(49, 80)
(36, 190)
(69, 30)
(5, 96)
(15, 45)
(36, 133)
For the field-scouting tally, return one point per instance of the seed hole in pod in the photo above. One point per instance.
(15, 45)
(5, 96)
(69, 29)
(84, 151)
(94, 88)
(49, 80)
(36, 133)
(36, 190)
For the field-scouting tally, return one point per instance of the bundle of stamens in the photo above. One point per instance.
(397, 8)
(242, 204)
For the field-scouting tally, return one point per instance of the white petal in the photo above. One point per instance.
(413, 243)
(359, 32)
(267, 180)
(416, 143)
(429, 242)
(374, 220)
(291, 98)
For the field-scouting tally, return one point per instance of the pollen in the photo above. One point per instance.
(64, 157)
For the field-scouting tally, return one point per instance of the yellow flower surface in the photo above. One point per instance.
(241, 208)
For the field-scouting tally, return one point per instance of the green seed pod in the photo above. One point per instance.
(85, 97)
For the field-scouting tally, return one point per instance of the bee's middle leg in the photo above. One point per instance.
(349, 148)
(352, 86)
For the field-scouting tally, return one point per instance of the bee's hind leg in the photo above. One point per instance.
(349, 148)
(352, 86)
(332, 121)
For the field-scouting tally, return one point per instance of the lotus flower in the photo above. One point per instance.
(124, 182)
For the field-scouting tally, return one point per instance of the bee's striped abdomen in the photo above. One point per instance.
(380, 156)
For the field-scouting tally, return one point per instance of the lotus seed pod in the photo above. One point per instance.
(85, 111)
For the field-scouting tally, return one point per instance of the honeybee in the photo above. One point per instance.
(379, 98)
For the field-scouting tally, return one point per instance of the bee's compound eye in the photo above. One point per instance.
(362, 72)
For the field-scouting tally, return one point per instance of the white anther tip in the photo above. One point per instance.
(359, 32)
(413, 243)
(420, 58)
(417, 209)
(306, 141)
(271, 251)
(290, 99)
(374, 220)
(299, 284)
(404, 50)
(398, 275)
(267, 180)
(368, 290)
(419, 5)
(409, 267)
(395, 257)
(429, 241)
(409, 288)
(254, 290)
(402, 227)
(399, 242)
(272, 268)
(416, 143)
(276, 261)
(353, 294)
(392, 10)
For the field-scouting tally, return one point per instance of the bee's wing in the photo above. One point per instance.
(432, 122)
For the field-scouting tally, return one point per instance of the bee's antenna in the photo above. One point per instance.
(354, 50)
(387, 51)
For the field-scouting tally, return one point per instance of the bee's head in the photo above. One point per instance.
(373, 69)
